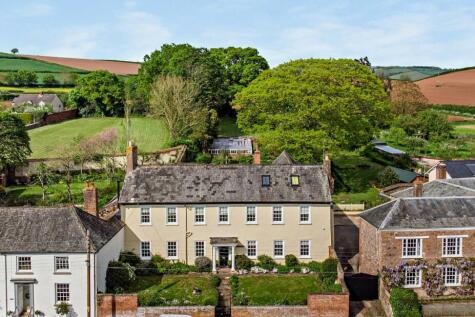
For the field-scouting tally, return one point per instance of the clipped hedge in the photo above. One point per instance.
(119, 277)
(404, 303)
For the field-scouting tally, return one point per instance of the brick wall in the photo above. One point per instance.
(109, 305)
(269, 311)
(368, 248)
(194, 311)
(60, 116)
(328, 305)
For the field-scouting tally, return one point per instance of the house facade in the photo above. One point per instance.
(181, 212)
(410, 236)
(44, 256)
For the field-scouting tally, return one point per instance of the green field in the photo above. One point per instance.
(46, 142)
(34, 90)
(14, 63)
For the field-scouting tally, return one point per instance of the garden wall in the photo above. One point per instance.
(54, 118)
(123, 305)
(193, 311)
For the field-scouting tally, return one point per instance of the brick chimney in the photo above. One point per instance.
(441, 171)
(90, 199)
(257, 155)
(131, 154)
(417, 191)
(327, 169)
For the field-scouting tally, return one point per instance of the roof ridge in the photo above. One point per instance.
(388, 217)
(457, 185)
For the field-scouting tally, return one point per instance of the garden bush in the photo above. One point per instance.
(243, 262)
(129, 257)
(404, 303)
(266, 262)
(215, 281)
(291, 261)
(203, 264)
(329, 271)
(119, 276)
(282, 269)
(168, 267)
(146, 268)
(314, 266)
(203, 158)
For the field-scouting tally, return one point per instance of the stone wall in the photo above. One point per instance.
(328, 305)
(368, 248)
(110, 305)
(269, 311)
(193, 311)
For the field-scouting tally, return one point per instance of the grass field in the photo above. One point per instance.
(280, 289)
(14, 63)
(175, 290)
(34, 90)
(46, 142)
(464, 128)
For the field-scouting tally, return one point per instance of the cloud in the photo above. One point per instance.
(75, 42)
(35, 10)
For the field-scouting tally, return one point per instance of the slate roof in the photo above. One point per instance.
(423, 213)
(460, 168)
(34, 98)
(284, 158)
(443, 188)
(53, 230)
(237, 143)
(193, 183)
(404, 176)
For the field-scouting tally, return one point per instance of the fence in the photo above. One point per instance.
(54, 118)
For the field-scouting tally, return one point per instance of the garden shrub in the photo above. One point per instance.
(129, 257)
(203, 264)
(243, 262)
(215, 281)
(404, 303)
(291, 261)
(119, 276)
(329, 271)
(282, 269)
(297, 269)
(241, 299)
(314, 266)
(203, 158)
(266, 262)
(146, 268)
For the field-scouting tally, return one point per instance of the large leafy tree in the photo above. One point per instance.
(407, 98)
(241, 66)
(306, 106)
(14, 141)
(190, 63)
(99, 93)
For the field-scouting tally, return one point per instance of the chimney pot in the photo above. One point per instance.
(418, 188)
(327, 169)
(90, 199)
(256, 156)
(441, 171)
(131, 155)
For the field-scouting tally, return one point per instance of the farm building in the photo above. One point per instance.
(382, 147)
(39, 100)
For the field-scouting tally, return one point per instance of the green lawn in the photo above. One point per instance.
(149, 134)
(280, 289)
(227, 127)
(175, 290)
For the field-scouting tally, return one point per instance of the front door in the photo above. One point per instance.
(223, 256)
(24, 299)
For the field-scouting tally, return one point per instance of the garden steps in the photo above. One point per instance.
(224, 296)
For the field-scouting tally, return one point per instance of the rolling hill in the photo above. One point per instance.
(412, 73)
(452, 88)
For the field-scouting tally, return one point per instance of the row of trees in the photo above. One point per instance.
(27, 78)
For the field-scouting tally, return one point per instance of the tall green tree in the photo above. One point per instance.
(241, 66)
(99, 93)
(317, 103)
(190, 63)
(14, 141)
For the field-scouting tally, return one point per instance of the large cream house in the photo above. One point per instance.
(186, 211)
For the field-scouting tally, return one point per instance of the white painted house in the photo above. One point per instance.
(43, 258)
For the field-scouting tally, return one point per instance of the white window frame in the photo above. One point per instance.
(309, 221)
(150, 250)
(204, 248)
(59, 270)
(457, 276)
(460, 245)
(56, 293)
(18, 264)
(255, 215)
(176, 216)
(149, 223)
(421, 246)
(204, 216)
(419, 280)
(219, 214)
(283, 250)
(175, 257)
(247, 249)
(281, 222)
(309, 256)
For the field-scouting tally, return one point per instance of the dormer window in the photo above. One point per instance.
(265, 180)
(295, 180)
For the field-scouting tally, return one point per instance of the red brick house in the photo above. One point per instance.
(425, 243)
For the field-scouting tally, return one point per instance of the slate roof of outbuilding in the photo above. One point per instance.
(53, 230)
(443, 188)
(34, 98)
(460, 168)
(193, 183)
(423, 213)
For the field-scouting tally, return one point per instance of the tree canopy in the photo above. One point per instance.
(407, 98)
(99, 93)
(14, 141)
(308, 105)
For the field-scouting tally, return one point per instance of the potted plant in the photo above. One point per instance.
(62, 308)
(39, 313)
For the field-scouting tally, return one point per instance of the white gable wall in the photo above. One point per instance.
(109, 252)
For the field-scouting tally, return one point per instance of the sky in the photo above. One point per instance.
(390, 32)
